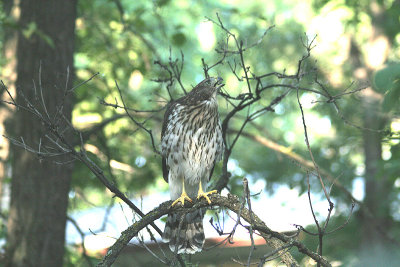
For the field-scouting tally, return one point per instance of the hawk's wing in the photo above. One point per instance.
(165, 168)
(170, 106)
(212, 170)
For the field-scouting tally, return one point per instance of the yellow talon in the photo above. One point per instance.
(201, 193)
(182, 197)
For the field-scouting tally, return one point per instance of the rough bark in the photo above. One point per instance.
(274, 239)
(39, 189)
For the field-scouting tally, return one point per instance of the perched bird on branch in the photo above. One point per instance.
(191, 144)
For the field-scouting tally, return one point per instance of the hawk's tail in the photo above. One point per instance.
(189, 239)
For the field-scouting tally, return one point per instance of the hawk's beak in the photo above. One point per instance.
(218, 84)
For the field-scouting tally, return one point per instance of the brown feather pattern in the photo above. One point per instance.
(191, 144)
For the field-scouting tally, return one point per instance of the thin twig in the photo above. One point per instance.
(230, 203)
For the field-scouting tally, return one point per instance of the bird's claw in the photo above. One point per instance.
(205, 195)
(181, 199)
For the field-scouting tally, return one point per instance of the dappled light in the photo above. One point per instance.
(306, 152)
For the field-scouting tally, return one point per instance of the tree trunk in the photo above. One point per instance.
(377, 186)
(39, 189)
(8, 74)
(374, 245)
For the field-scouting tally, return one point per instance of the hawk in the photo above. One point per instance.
(191, 144)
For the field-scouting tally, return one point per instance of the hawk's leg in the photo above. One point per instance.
(201, 193)
(182, 197)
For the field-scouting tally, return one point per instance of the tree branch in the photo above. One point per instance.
(275, 239)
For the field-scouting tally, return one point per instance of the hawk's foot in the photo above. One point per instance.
(201, 194)
(181, 199)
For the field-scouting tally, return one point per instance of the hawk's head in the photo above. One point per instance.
(210, 82)
(205, 90)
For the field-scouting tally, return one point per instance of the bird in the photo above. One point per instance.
(191, 145)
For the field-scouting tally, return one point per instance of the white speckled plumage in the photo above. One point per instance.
(191, 144)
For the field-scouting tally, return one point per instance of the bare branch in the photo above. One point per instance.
(140, 125)
(231, 203)
(63, 146)
(247, 196)
(82, 234)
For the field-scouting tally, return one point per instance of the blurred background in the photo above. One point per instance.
(355, 140)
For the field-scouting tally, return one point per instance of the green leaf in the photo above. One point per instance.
(29, 30)
(178, 39)
(45, 38)
(392, 97)
(384, 79)
(161, 3)
(33, 29)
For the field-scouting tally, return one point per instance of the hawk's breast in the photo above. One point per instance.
(192, 141)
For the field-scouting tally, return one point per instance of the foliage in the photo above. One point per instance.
(387, 81)
(124, 46)
(122, 39)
